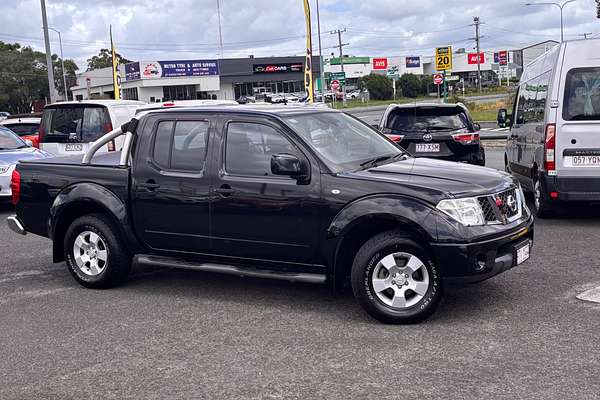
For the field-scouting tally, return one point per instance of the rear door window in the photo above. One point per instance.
(582, 95)
(421, 119)
(75, 124)
(181, 145)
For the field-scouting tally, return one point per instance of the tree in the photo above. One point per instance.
(24, 77)
(379, 86)
(410, 85)
(104, 60)
(71, 71)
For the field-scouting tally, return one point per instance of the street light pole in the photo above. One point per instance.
(51, 88)
(561, 6)
(62, 63)
(321, 72)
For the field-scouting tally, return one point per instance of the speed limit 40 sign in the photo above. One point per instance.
(443, 58)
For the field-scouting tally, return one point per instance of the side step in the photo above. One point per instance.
(157, 261)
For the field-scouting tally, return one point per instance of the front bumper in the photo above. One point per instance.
(481, 260)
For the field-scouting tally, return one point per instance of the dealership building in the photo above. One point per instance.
(226, 79)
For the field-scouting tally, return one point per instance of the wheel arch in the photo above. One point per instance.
(360, 221)
(84, 199)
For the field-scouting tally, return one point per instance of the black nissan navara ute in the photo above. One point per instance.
(285, 192)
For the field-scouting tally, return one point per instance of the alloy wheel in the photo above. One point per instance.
(400, 280)
(90, 253)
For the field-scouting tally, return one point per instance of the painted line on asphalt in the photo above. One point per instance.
(592, 295)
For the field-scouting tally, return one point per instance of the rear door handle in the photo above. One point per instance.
(149, 185)
(225, 190)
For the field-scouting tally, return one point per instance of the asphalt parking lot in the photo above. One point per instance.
(181, 334)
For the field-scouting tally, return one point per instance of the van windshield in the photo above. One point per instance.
(582, 95)
(74, 124)
(424, 119)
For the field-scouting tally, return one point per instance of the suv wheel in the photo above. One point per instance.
(94, 254)
(540, 202)
(395, 280)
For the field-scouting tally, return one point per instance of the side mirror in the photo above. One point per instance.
(29, 143)
(286, 164)
(502, 117)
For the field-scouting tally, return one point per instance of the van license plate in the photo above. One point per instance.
(586, 161)
(523, 253)
(74, 147)
(428, 147)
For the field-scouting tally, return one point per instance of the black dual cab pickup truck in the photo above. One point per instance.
(288, 192)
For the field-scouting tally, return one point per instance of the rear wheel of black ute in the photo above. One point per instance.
(395, 280)
(95, 254)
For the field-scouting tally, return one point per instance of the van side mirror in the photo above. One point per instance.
(502, 117)
(286, 164)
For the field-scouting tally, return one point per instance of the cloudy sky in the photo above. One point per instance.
(183, 29)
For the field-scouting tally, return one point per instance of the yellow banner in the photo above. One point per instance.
(308, 80)
(115, 67)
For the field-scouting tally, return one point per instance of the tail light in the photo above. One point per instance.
(111, 145)
(392, 136)
(395, 138)
(41, 133)
(549, 149)
(466, 138)
(15, 186)
(169, 104)
(108, 127)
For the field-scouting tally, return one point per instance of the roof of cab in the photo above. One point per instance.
(263, 109)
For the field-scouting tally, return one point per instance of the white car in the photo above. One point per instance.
(70, 127)
(355, 94)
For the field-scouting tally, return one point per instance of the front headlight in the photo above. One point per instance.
(467, 211)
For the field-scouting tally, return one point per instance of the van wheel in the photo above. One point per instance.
(395, 280)
(94, 254)
(541, 208)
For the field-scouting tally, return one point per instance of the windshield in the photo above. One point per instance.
(24, 129)
(10, 141)
(420, 119)
(582, 94)
(343, 142)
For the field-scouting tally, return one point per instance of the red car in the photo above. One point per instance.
(26, 126)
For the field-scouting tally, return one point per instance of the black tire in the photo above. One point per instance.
(365, 264)
(118, 264)
(541, 207)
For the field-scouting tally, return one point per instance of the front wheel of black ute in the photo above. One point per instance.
(94, 252)
(395, 280)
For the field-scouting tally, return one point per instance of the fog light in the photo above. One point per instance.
(480, 264)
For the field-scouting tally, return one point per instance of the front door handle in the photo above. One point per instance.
(225, 190)
(149, 185)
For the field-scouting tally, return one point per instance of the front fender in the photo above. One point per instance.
(406, 210)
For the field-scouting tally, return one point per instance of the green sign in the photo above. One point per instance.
(338, 76)
(350, 60)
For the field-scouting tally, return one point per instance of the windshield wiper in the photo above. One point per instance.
(376, 160)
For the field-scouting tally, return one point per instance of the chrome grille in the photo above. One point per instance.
(503, 207)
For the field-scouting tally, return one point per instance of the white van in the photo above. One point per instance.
(554, 142)
(69, 128)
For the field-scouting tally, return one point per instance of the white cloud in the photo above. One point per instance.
(172, 29)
